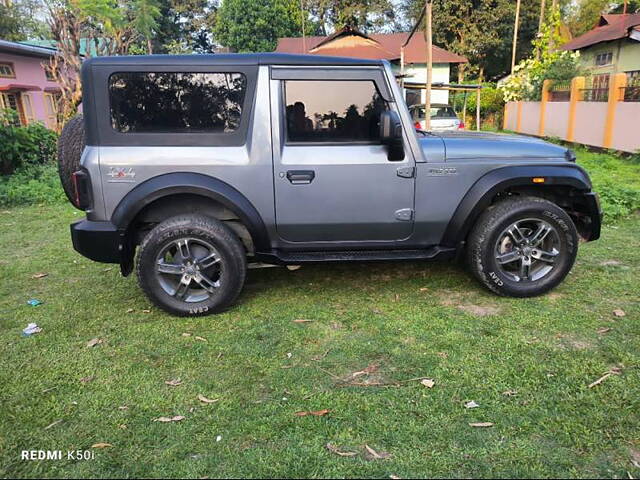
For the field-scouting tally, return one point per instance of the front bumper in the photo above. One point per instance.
(99, 241)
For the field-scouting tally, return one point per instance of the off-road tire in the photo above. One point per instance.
(482, 242)
(70, 147)
(232, 257)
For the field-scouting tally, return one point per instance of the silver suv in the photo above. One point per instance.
(204, 163)
(443, 117)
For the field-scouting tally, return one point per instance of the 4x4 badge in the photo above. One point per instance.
(121, 174)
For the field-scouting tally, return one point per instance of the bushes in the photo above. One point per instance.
(491, 106)
(21, 146)
(28, 172)
(617, 181)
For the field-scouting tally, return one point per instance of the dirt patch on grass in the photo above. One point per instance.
(610, 263)
(477, 309)
(571, 342)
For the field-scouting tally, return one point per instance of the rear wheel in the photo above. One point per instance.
(522, 247)
(191, 265)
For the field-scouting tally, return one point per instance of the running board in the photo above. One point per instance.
(289, 257)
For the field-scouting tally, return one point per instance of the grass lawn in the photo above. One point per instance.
(407, 320)
(371, 333)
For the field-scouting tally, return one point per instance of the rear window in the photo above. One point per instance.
(436, 112)
(155, 102)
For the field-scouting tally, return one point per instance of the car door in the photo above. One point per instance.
(333, 179)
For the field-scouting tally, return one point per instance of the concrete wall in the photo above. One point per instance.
(590, 122)
(530, 118)
(556, 119)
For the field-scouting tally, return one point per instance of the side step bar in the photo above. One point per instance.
(289, 257)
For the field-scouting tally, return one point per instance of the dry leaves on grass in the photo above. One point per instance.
(173, 383)
(481, 424)
(130, 310)
(200, 338)
(471, 404)
(93, 342)
(101, 445)
(39, 275)
(619, 312)
(613, 371)
(175, 418)
(510, 393)
(373, 455)
(302, 320)
(204, 399)
(334, 449)
(603, 330)
(87, 379)
(317, 413)
(373, 368)
(428, 382)
(52, 424)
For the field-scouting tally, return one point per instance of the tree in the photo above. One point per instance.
(20, 20)
(364, 15)
(104, 27)
(185, 26)
(256, 26)
(481, 30)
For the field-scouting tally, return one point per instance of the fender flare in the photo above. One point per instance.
(479, 196)
(197, 184)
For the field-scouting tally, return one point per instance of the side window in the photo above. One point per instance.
(332, 111)
(155, 102)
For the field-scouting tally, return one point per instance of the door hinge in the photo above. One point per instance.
(405, 214)
(406, 172)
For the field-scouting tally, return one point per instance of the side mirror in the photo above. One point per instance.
(391, 135)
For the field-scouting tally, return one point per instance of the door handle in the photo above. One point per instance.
(300, 177)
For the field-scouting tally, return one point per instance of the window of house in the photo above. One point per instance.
(6, 70)
(633, 77)
(333, 111)
(604, 58)
(150, 102)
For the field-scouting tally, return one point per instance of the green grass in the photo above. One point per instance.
(411, 319)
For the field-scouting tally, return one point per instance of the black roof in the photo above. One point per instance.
(232, 59)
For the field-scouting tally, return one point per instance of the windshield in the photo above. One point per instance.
(436, 112)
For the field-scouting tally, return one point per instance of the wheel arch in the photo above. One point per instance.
(195, 186)
(567, 185)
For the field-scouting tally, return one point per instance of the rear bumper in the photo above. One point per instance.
(99, 241)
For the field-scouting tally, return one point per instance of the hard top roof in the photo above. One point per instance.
(232, 59)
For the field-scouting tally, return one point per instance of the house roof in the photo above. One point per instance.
(51, 44)
(28, 50)
(349, 42)
(610, 27)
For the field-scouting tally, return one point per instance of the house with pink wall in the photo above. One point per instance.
(25, 85)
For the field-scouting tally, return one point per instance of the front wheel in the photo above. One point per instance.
(522, 247)
(191, 265)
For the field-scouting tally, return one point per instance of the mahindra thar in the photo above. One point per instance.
(196, 165)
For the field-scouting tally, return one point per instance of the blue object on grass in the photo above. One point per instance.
(34, 302)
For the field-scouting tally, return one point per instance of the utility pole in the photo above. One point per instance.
(304, 40)
(428, 36)
(542, 12)
(515, 37)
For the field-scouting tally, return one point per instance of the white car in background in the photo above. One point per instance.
(443, 117)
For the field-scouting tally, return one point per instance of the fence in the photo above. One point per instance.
(602, 113)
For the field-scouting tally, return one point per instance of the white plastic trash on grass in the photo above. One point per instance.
(31, 329)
